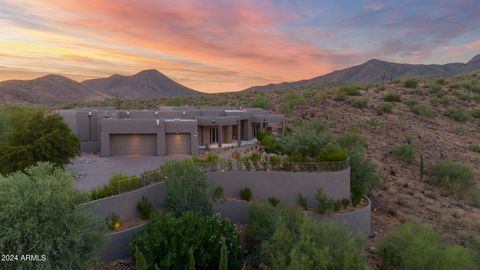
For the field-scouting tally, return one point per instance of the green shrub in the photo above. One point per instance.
(351, 90)
(474, 148)
(332, 155)
(405, 152)
(324, 203)
(435, 88)
(118, 182)
(338, 205)
(410, 83)
(411, 103)
(187, 188)
(475, 113)
(166, 241)
(439, 100)
(145, 207)
(450, 175)
(140, 263)
(457, 114)
(340, 96)
(259, 102)
(218, 193)
(473, 197)
(302, 201)
(307, 140)
(246, 194)
(274, 201)
(417, 246)
(40, 214)
(113, 221)
(384, 108)
(223, 265)
(289, 101)
(358, 102)
(33, 135)
(422, 110)
(363, 176)
(345, 203)
(392, 97)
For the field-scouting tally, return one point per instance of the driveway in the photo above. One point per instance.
(91, 171)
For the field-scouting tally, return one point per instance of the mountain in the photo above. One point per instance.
(376, 70)
(145, 84)
(46, 89)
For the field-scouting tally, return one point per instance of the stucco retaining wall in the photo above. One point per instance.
(116, 244)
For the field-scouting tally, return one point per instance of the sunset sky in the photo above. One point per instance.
(213, 45)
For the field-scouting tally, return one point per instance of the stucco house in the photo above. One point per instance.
(168, 130)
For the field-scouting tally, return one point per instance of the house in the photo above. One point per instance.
(168, 130)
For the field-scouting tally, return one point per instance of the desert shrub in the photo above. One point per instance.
(405, 152)
(145, 207)
(363, 176)
(475, 113)
(337, 205)
(218, 193)
(246, 194)
(472, 85)
(40, 214)
(292, 240)
(324, 203)
(384, 108)
(187, 188)
(418, 246)
(439, 100)
(474, 148)
(302, 201)
(33, 135)
(350, 89)
(259, 102)
(113, 221)
(332, 155)
(345, 203)
(473, 197)
(457, 114)
(411, 103)
(340, 96)
(116, 182)
(274, 201)
(450, 175)
(410, 83)
(358, 102)
(392, 97)
(167, 239)
(140, 263)
(422, 110)
(269, 142)
(307, 140)
(435, 87)
(289, 101)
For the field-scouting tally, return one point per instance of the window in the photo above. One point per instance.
(214, 135)
(256, 129)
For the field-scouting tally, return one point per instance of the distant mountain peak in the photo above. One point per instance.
(475, 59)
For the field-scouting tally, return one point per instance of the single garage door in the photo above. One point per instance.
(133, 144)
(178, 144)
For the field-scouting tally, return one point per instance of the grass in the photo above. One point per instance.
(457, 114)
(422, 110)
(392, 97)
(358, 102)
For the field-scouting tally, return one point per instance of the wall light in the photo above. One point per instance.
(184, 113)
(158, 122)
(128, 113)
(89, 114)
(156, 112)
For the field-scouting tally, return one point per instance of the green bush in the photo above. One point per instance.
(324, 203)
(145, 207)
(113, 221)
(405, 152)
(118, 182)
(474, 148)
(332, 155)
(363, 176)
(40, 214)
(259, 102)
(358, 102)
(473, 197)
(410, 83)
(246, 194)
(166, 241)
(384, 108)
(451, 175)
(422, 110)
(302, 201)
(392, 97)
(187, 188)
(33, 135)
(351, 90)
(475, 113)
(218, 193)
(307, 140)
(291, 240)
(140, 263)
(274, 201)
(457, 114)
(418, 246)
(289, 101)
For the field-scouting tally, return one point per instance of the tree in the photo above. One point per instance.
(187, 188)
(223, 256)
(39, 215)
(308, 140)
(32, 135)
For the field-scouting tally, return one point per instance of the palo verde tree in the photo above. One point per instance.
(40, 215)
(32, 135)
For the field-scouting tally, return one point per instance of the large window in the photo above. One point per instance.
(214, 135)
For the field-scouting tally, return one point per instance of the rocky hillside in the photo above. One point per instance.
(145, 84)
(47, 89)
(374, 71)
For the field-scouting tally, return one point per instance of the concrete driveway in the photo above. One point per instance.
(91, 171)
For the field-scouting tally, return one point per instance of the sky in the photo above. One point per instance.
(216, 46)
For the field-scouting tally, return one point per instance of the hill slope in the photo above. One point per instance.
(46, 89)
(376, 70)
(145, 84)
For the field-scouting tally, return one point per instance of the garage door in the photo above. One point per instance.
(178, 144)
(133, 144)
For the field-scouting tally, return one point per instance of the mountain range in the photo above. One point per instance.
(153, 84)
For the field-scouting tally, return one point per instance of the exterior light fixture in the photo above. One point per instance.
(156, 112)
(128, 113)
(158, 122)
(184, 113)
(89, 114)
(213, 120)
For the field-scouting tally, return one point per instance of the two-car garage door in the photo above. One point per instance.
(146, 144)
